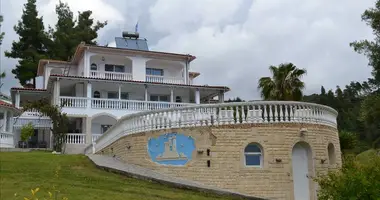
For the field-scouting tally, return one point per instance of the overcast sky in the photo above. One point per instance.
(234, 40)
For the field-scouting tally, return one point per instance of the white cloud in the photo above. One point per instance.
(236, 40)
(313, 34)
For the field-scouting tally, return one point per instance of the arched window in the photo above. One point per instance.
(253, 155)
(96, 94)
(331, 152)
(94, 67)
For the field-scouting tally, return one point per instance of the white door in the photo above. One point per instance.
(300, 172)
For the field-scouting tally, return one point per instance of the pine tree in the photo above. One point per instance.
(1, 33)
(31, 45)
(2, 74)
(68, 33)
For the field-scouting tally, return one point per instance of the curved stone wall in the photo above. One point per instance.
(215, 155)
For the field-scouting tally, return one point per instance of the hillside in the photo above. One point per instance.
(77, 178)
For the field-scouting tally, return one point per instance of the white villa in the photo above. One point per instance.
(102, 84)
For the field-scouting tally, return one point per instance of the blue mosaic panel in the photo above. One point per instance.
(171, 149)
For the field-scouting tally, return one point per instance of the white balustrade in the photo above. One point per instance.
(133, 105)
(73, 102)
(216, 115)
(95, 137)
(111, 75)
(6, 140)
(18, 122)
(75, 138)
(164, 79)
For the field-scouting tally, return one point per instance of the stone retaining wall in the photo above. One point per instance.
(218, 157)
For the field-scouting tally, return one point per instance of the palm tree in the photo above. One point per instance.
(284, 85)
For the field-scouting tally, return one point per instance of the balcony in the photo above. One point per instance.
(111, 75)
(116, 104)
(164, 79)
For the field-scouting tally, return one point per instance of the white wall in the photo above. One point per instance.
(171, 68)
(111, 59)
(101, 120)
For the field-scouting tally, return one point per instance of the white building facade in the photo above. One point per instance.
(102, 84)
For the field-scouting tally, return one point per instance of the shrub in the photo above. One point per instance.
(27, 131)
(356, 180)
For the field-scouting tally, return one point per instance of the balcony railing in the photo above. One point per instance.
(73, 102)
(111, 75)
(97, 103)
(37, 123)
(164, 79)
(6, 140)
(217, 115)
(75, 138)
(95, 137)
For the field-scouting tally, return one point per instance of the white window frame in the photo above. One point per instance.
(117, 95)
(159, 97)
(254, 153)
(113, 68)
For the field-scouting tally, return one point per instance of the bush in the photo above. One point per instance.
(27, 131)
(356, 180)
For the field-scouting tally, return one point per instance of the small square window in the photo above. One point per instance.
(113, 95)
(119, 68)
(108, 68)
(124, 95)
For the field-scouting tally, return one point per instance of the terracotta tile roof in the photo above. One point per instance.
(28, 89)
(142, 82)
(8, 105)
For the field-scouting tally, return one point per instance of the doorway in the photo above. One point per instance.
(301, 156)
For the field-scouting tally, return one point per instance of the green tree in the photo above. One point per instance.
(285, 83)
(31, 45)
(2, 74)
(371, 49)
(59, 120)
(68, 33)
(370, 115)
(355, 180)
(27, 131)
(1, 33)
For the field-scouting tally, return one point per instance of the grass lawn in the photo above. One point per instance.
(77, 178)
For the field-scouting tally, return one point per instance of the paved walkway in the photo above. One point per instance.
(115, 165)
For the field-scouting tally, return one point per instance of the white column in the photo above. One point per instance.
(5, 121)
(58, 91)
(11, 123)
(51, 139)
(221, 97)
(146, 93)
(17, 99)
(119, 92)
(88, 121)
(89, 94)
(197, 96)
(171, 95)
